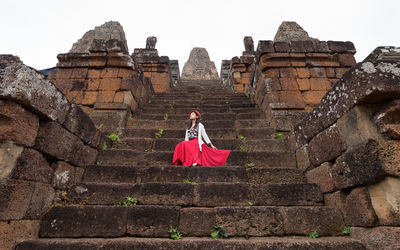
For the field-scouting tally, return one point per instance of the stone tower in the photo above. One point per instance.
(199, 66)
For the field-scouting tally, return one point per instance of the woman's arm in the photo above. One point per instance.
(205, 136)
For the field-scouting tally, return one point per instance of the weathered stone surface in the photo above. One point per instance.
(24, 200)
(387, 116)
(14, 232)
(8, 59)
(17, 124)
(385, 199)
(336, 200)
(322, 177)
(15, 199)
(368, 82)
(61, 144)
(356, 127)
(28, 87)
(175, 73)
(385, 238)
(248, 46)
(204, 219)
(199, 66)
(80, 124)
(65, 175)
(9, 153)
(40, 201)
(326, 146)
(104, 221)
(151, 42)
(359, 211)
(358, 166)
(291, 31)
(108, 31)
(32, 166)
(152, 220)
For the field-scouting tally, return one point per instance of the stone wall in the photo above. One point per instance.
(102, 78)
(349, 145)
(290, 77)
(199, 67)
(45, 143)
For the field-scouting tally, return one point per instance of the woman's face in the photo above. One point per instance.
(193, 116)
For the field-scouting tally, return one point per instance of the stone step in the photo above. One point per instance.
(142, 174)
(236, 158)
(168, 110)
(199, 195)
(195, 243)
(189, 106)
(221, 133)
(175, 124)
(205, 116)
(169, 144)
(154, 221)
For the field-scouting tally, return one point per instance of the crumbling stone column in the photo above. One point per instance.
(156, 68)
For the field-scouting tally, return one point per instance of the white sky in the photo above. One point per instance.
(37, 31)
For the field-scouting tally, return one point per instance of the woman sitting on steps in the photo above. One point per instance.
(190, 152)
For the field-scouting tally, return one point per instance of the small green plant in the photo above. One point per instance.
(278, 136)
(149, 150)
(114, 137)
(242, 138)
(248, 95)
(290, 130)
(242, 148)
(314, 234)
(247, 237)
(250, 164)
(101, 126)
(129, 201)
(219, 232)
(190, 181)
(152, 96)
(99, 162)
(174, 233)
(346, 230)
(227, 102)
(166, 116)
(251, 203)
(159, 133)
(129, 118)
(104, 147)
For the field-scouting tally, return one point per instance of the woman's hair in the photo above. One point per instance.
(196, 125)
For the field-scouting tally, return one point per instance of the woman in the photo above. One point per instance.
(192, 152)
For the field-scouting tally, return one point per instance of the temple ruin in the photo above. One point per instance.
(85, 152)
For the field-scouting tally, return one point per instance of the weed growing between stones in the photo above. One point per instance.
(190, 182)
(250, 164)
(174, 233)
(251, 203)
(114, 138)
(159, 133)
(278, 136)
(346, 230)
(166, 116)
(104, 147)
(129, 118)
(242, 138)
(314, 235)
(219, 232)
(129, 201)
(242, 148)
(99, 163)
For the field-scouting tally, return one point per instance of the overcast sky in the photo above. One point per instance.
(37, 31)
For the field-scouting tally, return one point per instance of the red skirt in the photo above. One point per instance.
(187, 153)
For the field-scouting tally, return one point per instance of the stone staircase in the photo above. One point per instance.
(260, 197)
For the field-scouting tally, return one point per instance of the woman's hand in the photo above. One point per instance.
(212, 146)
